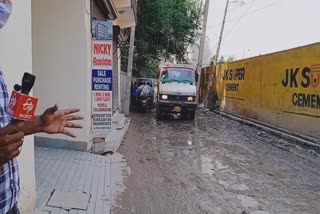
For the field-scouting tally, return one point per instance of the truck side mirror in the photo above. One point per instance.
(197, 77)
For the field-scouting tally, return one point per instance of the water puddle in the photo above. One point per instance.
(248, 202)
(218, 165)
(259, 212)
(202, 123)
(239, 187)
(208, 166)
(233, 186)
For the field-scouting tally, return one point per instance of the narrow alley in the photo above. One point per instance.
(215, 165)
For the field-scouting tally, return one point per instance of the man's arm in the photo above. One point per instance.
(53, 121)
(32, 127)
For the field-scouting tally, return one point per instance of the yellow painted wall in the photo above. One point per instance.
(262, 93)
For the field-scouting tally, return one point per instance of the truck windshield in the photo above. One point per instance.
(181, 75)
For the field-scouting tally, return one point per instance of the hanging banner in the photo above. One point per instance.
(102, 52)
(102, 30)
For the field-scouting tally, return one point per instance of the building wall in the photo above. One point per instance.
(61, 57)
(258, 89)
(15, 59)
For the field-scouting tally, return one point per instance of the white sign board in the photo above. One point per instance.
(102, 52)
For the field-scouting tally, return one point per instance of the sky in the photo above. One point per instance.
(255, 27)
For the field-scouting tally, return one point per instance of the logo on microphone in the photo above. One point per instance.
(13, 102)
(28, 105)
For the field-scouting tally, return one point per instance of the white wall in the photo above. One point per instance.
(61, 57)
(15, 58)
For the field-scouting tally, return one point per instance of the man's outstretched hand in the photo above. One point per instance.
(52, 121)
(55, 121)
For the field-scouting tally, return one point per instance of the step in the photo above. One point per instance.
(113, 141)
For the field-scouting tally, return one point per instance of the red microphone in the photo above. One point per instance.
(21, 105)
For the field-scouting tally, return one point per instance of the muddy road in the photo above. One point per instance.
(215, 165)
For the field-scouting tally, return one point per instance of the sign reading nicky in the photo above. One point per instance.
(310, 79)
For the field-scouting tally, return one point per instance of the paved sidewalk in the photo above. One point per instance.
(79, 172)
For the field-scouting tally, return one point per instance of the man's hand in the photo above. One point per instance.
(54, 121)
(11, 140)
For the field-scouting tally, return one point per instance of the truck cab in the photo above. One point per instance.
(176, 92)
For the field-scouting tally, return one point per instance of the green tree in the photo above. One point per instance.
(231, 59)
(165, 29)
(223, 60)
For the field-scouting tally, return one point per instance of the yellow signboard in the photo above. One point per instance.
(282, 89)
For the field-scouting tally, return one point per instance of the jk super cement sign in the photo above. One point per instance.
(282, 88)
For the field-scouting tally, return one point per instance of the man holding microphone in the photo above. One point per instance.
(52, 121)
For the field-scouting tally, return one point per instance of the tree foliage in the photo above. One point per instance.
(165, 29)
(223, 60)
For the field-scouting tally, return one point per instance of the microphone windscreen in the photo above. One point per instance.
(17, 87)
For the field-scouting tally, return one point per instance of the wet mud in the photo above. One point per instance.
(215, 165)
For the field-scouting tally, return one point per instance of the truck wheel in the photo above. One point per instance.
(192, 115)
(158, 114)
(184, 116)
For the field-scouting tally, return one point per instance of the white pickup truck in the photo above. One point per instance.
(176, 92)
